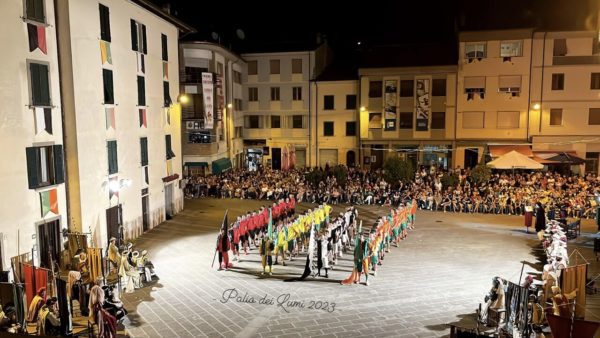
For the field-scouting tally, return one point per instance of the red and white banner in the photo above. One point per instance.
(207, 92)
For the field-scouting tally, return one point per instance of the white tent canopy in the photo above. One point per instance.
(514, 160)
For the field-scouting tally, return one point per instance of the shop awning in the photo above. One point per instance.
(514, 160)
(498, 150)
(560, 158)
(195, 164)
(221, 165)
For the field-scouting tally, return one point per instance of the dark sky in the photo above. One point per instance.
(295, 24)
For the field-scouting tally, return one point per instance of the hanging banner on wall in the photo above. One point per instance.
(220, 98)
(422, 104)
(207, 92)
(389, 104)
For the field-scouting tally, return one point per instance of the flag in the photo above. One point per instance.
(141, 65)
(105, 54)
(166, 71)
(143, 121)
(114, 182)
(225, 223)
(168, 115)
(110, 118)
(270, 227)
(49, 202)
(169, 168)
(37, 37)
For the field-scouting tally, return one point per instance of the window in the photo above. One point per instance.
(558, 81)
(594, 117)
(141, 86)
(297, 122)
(406, 88)
(113, 163)
(107, 77)
(508, 119)
(44, 166)
(296, 66)
(252, 122)
(351, 128)
(328, 128)
(194, 74)
(511, 48)
(166, 94)
(165, 47)
(375, 89)
(169, 151)
(350, 101)
(274, 93)
(238, 131)
(475, 50)
(438, 120)
(104, 23)
(252, 67)
(438, 87)
(237, 77)
(475, 85)
(138, 37)
(237, 104)
(297, 93)
(556, 117)
(275, 121)
(509, 84)
(473, 120)
(595, 81)
(406, 120)
(219, 68)
(274, 66)
(328, 102)
(560, 47)
(253, 94)
(34, 10)
(144, 150)
(40, 86)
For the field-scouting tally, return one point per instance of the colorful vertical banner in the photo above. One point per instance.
(110, 118)
(49, 202)
(292, 157)
(422, 104)
(143, 120)
(43, 120)
(169, 168)
(390, 103)
(220, 97)
(168, 115)
(207, 92)
(141, 63)
(105, 55)
(165, 70)
(37, 37)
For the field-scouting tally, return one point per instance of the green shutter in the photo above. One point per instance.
(59, 170)
(32, 167)
(166, 94)
(134, 41)
(141, 85)
(165, 51)
(113, 165)
(168, 146)
(40, 86)
(144, 150)
(44, 86)
(104, 23)
(34, 10)
(144, 41)
(107, 76)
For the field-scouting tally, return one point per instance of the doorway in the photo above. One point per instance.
(276, 158)
(49, 243)
(350, 158)
(145, 216)
(471, 157)
(169, 201)
(114, 219)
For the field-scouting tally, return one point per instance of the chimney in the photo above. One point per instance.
(167, 8)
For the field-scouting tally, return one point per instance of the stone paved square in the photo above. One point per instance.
(437, 276)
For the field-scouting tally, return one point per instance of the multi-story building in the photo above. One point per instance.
(276, 94)
(492, 92)
(119, 87)
(34, 208)
(334, 119)
(407, 112)
(211, 109)
(565, 95)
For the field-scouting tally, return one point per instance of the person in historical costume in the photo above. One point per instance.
(36, 304)
(282, 242)
(322, 255)
(105, 322)
(266, 253)
(562, 303)
(83, 267)
(129, 273)
(48, 321)
(146, 266)
(540, 217)
(113, 254)
(494, 299)
(223, 247)
(77, 290)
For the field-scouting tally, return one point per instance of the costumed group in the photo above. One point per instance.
(98, 302)
(277, 231)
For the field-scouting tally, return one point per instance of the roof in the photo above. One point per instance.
(149, 6)
(409, 55)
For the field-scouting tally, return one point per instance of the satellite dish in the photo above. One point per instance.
(240, 34)
(214, 35)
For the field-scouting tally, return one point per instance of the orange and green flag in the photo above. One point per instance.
(49, 202)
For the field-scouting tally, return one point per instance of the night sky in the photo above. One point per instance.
(374, 23)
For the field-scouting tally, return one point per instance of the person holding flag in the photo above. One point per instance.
(223, 246)
(266, 247)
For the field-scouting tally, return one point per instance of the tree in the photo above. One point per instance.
(481, 173)
(341, 175)
(397, 170)
(315, 176)
(449, 180)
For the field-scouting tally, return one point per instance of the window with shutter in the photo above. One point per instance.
(134, 36)
(141, 85)
(107, 76)
(59, 170)
(113, 164)
(104, 23)
(169, 151)
(32, 167)
(34, 11)
(40, 86)
(44, 166)
(165, 51)
(166, 94)
(144, 150)
(328, 102)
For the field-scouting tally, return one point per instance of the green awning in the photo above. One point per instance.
(221, 165)
(196, 164)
